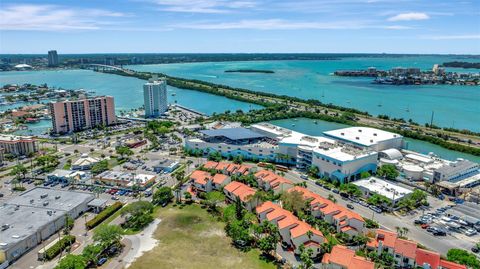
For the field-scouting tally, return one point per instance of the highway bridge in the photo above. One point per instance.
(104, 67)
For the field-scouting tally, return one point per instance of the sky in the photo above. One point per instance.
(243, 26)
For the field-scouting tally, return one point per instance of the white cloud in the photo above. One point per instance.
(52, 18)
(271, 24)
(203, 6)
(411, 16)
(452, 37)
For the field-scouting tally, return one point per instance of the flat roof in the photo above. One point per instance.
(365, 136)
(461, 183)
(24, 218)
(342, 152)
(57, 199)
(13, 138)
(233, 133)
(382, 187)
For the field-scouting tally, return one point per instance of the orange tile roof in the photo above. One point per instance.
(232, 167)
(288, 221)
(240, 190)
(303, 228)
(341, 255)
(200, 177)
(222, 166)
(406, 248)
(210, 165)
(358, 262)
(387, 237)
(346, 258)
(451, 265)
(219, 178)
(244, 169)
(267, 206)
(424, 256)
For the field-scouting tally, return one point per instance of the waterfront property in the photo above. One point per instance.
(35, 215)
(17, 145)
(407, 254)
(293, 232)
(366, 137)
(155, 97)
(81, 114)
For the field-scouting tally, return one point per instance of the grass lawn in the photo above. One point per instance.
(192, 238)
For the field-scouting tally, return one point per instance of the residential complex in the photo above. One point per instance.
(81, 114)
(408, 254)
(17, 145)
(155, 97)
(293, 232)
(32, 217)
(52, 58)
(342, 257)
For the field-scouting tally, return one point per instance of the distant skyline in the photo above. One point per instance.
(243, 26)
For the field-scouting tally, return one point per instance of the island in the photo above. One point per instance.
(249, 71)
(466, 65)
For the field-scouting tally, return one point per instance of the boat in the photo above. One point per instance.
(173, 94)
(316, 122)
(293, 124)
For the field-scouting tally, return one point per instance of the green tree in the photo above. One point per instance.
(107, 235)
(313, 171)
(91, 253)
(388, 171)
(294, 202)
(213, 198)
(306, 257)
(462, 256)
(100, 167)
(162, 195)
(19, 171)
(365, 175)
(123, 151)
(137, 215)
(351, 189)
(72, 262)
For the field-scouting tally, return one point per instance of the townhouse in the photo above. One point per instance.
(342, 257)
(237, 190)
(203, 181)
(343, 219)
(407, 254)
(293, 232)
(268, 180)
(228, 168)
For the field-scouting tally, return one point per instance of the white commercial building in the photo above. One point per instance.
(35, 215)
(155, 97)
(367, 137)
(379, 186)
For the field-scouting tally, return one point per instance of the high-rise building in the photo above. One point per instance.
(52, 58)
(76, 115)
(155, 97)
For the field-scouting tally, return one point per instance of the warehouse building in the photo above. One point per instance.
(34, 216)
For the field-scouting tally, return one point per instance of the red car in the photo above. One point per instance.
(424, 226)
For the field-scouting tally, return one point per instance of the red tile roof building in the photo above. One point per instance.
(406, 253)
(268, 180)
(204, 182)
(236, 189)
(294, 232)
(343, 219)
(228, 168)
(345, 258)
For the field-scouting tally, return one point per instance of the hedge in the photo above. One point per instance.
(58, 247)
(107, 212)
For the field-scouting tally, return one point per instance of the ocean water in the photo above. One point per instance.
(452, 106)
(127, 91)
(308, 126)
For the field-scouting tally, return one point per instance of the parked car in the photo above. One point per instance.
(432, 229)
(101, 261)
(470, 232)
(475, 249)
(350, 206)
(419, 221)
(304, 177)
(439, 233)
(424, 226)
(335, 191)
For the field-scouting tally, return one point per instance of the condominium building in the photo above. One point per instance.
(52, 58)
(82, 114)
(17, 145)
(155, 97)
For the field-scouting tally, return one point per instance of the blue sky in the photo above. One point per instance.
(101, 26)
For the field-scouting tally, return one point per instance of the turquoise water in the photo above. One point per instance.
(127, 91)
(453, 106)
(36, 128)
(309, 127)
